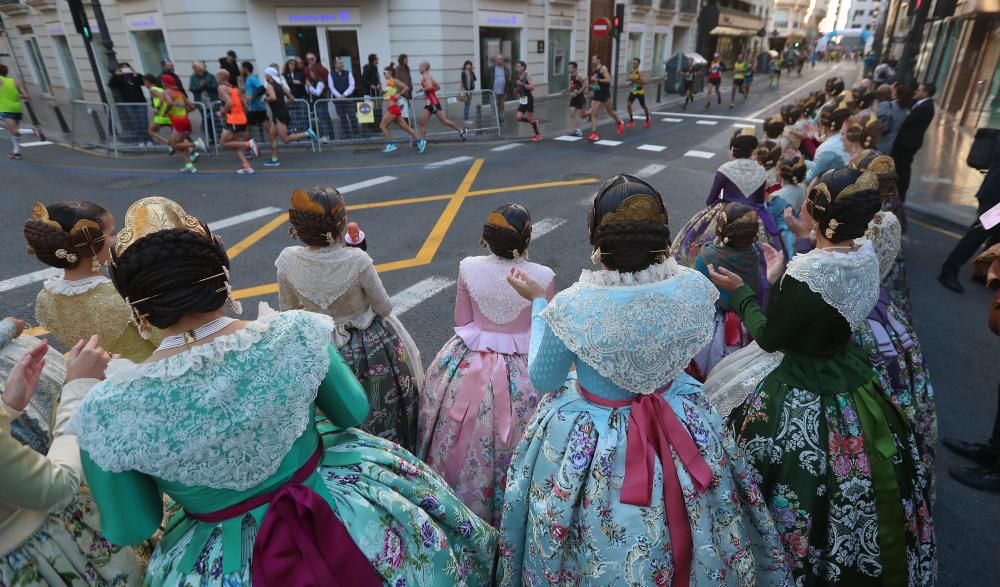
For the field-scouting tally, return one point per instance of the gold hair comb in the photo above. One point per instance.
(151, 215)
(637, 208)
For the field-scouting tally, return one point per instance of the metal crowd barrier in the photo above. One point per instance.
(132, 120)
(92, 127)
(478, 112)
(299, 112)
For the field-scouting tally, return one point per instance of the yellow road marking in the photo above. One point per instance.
(936, 229)
(433, 241)
(256, 235)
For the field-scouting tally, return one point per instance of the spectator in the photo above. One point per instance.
(890, 114)
(499, 79)
(869, 63)
(403, 75)
(230, 64)
(341, 83)
(203, 85)
(295, 78)
(468, 86)
(371, 85)
(168, 69)
(883, 73)
(910, 138)
(988, 196)
(127, 86)
(316, 76)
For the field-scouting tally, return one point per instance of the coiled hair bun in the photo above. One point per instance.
(843, 202)
(793, 169)
(774, 126)
(790, 113)
(62, 235)
(628, 224)
(318, 216)
(881, 165)
(768, 154)
(737, 225)
(864, 129)
(507, 232)
(744, 143)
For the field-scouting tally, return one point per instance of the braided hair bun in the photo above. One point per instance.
(790, 113)
(881, 165)
(318, 216)
(628, 224)
(793, 169)
(864, 129)
(507, 231)
(737, 225)
(743, 144)
(843, 202)
(62, 235)
(768, 154)
(171, 273)
(774, 126)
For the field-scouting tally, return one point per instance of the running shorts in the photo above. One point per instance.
(395, 110)
(11, 116)
(283, 117)
(181, 124)
(256, 117)
(236, 128)
(578, 101)
(715, 81)
(528, 106)
(433, 108)
(640, 97)
(738, 82)
(601, 95)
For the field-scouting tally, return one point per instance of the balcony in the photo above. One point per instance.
(42, 4)
(13, 7)
(642, 3)
(689, 6)
(670, 5)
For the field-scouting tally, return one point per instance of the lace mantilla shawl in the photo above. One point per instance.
(638, 330)
(886, 235)
(58, 285)
(221, 415)
(746, 174)
(322, 275)
(847, 281)
(737, 375)
(486, 280)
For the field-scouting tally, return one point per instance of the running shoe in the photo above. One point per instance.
(245, 171)
(389, 148)
(462, 134)
(536, 138)
(578, 133)
(194, 155)
(200, 145)
(593, 137)
(621, 128)
(648, 122)
(422, 145)
(189, 168)
(14, 155)
(170, 151)
(630, 124)
(732, 105)
(252, 144)
(312, 136)
(272, 163)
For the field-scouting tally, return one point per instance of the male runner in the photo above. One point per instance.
(161, 106)
(526, 101)
(11, 109)
(740, 69)
(600, 85)
(178, 107)
(235, 116)
(714, 80)
(577, 97)
(277, 96)
(256, 100)
(430, 87)
(637, 91)
(687, 74)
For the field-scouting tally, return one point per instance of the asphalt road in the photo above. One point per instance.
(423, 213)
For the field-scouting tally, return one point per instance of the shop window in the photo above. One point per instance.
(68, 66)
(152, 49)
(495, 41)
(659, 51)
(296, 41)
(38, 65)
(635, 46)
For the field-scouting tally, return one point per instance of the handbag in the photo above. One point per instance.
(985, 149)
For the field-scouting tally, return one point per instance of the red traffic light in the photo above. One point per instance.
(616, 23)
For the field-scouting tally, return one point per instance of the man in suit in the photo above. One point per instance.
(987, 196)
(498, 79)
(910, 137)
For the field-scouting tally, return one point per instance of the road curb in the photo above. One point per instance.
(925, 214)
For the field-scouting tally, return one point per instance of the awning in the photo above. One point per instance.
(728, 31)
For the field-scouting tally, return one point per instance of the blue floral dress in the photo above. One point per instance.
(566, 520)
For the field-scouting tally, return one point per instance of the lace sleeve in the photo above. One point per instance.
(463, 303)
(375, 291)
(287, 298)
(549, 361)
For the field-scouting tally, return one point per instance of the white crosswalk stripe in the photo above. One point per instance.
(545, 226)
(742, 125)
(506, 147)
(569, 138)
(451, 161)
(672, 120)
(708, 122)
(650, 170)
(717, 117)
(654, 148)
(353, 187)
(37, 144)
(699, 154)
(241, 218)
(608, 143)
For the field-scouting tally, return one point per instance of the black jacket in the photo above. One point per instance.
(369, 79)
(911, 132)
(127, 88)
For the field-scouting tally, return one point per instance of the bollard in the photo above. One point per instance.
(479, 118)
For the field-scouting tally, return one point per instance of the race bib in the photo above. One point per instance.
(523, 100)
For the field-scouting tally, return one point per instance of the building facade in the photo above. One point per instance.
(864, 14)
(731, 27)
(42, 42)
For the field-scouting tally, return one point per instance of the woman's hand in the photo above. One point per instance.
(24, 376)
(18, 326)
(801, 227)
(86, 360)
(524, 285)
(725, 279)
(775, 261)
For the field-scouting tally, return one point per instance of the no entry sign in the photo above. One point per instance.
(601, 27)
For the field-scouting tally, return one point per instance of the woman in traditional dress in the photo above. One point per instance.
(681, 508)
(327, 277)
(49, 528)
(76, 237)
(838, 466)
(833, 152)
(33, 427)
(221, 419)
(741, 180)
(790, 195)
(478, 397)
(736, 250)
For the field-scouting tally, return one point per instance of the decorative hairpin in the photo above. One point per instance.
(293, 232)
(234, 304)
(140, 321)
(64, 254)
(831, 228)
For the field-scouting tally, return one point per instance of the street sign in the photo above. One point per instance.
(601, 27)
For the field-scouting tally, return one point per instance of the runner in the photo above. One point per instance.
(577, 98)
(687, 75)
(235, 116)
(526, 101)
(256, 100)
(178, 107)
(430, 87)
(11, 109)
(277, 94)
(637, 91)
(740, 69)
(394, 91)
(600, 84)
(776, 66)
(714, 80)
(748, 80)
(161, 118)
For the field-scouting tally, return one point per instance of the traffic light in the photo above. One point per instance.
(618, 24)
(79, 18)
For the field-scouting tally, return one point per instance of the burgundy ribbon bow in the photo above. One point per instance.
(653, 429)
(297, 523)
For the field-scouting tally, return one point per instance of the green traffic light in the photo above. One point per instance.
(86, 32)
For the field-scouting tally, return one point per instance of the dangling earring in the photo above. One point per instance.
(95, 265)
(293, 232)
(140, 321)
(517, 254)
(595, 257)
(235, 305)
(483, 243)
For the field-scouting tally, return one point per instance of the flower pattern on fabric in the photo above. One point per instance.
(846, 281)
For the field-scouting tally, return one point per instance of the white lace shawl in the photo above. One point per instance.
(60, 286)
(746, 174)
(733, 379)
(222, 414)
(486, 280)
(322, 275)
(847, 281)
(886, 235)
(637, 330)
